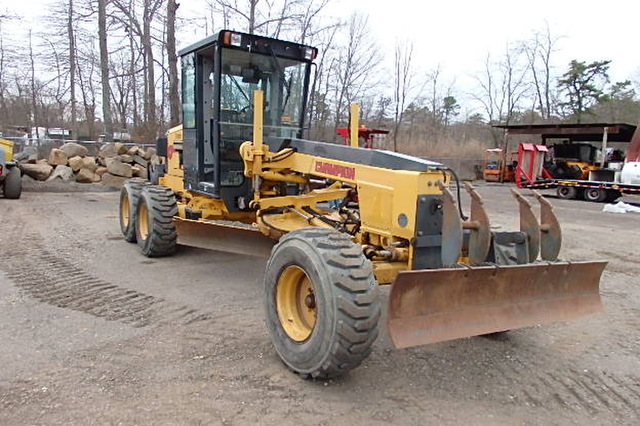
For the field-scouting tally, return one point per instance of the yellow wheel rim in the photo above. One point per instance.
(125, 211)
(296, 303)
(143, 221)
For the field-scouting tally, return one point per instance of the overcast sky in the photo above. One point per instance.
(457, 35)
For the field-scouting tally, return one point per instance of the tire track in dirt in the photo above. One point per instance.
(553, 382)
(51, 279)
(533, 376)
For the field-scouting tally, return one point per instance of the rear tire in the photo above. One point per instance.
(322, 303)
(12, 185)
(155, 231)
(596, 195)
(566, 192)
(128, 211)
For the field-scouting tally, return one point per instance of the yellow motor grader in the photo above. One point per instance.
(336, 222)
(10, 177)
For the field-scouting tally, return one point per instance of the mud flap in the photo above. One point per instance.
(431, 306)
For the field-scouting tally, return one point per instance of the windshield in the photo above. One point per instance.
(282, 81)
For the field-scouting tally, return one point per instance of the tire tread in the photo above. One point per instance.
(356, 300)
(162, 207)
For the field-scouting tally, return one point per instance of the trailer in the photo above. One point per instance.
(531, 173)
(593, 175)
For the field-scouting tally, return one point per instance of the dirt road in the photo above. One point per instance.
(91, 332)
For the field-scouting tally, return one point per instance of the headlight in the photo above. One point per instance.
(308, 53)
(236, 39)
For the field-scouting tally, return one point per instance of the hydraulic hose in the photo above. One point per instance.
(455, 176)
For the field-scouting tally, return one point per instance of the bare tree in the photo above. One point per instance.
(122, 84)
(503, 86)
(104, 69)
(307, 21)
(441, 103)
(539, 51)
(253, 19)
(353, 69)
(87, 81)
(32, 75)
(319, 110)
(404, 89)
(142, 38)
(72, 67)
(174, 96)
(4, 109)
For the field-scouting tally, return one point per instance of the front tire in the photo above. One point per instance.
(322, 303)
(128, 211)
(155, 231)
(12, 185)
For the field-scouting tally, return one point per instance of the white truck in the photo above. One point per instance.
(630, 173)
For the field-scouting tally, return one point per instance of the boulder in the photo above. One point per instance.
(120, 148)
(133, 151)
(86, 176)
(119, 168)
(139, 171)
(89, 163)
(149, 153)
(28, 155)
(73, 149)
(38, 171)
(101, 170)
(76, 163)
(108, 150)
(57, 157)
(126, 158)
(113, 181)
(110, 160)
(141, 161)
(62, 172)
(26, 179)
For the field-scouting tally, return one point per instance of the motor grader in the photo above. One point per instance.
(337, 222)
(10, 176)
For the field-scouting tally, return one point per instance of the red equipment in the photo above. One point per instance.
(531, 164)
(363, 132)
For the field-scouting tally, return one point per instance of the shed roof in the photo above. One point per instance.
(591, 132)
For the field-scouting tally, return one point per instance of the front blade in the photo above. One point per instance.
(431, 306)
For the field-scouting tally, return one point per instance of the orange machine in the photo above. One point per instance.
(496, 169)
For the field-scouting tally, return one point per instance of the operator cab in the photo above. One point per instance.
(219, 76)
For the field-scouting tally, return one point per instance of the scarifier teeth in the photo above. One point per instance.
(478, 224)
(451, 228)
(550, 233)
(528, 225)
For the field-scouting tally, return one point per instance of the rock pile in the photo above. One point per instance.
(114, 164)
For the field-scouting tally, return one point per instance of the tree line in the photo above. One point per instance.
(109, 67)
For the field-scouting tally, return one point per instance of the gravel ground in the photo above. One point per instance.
(94, 333)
